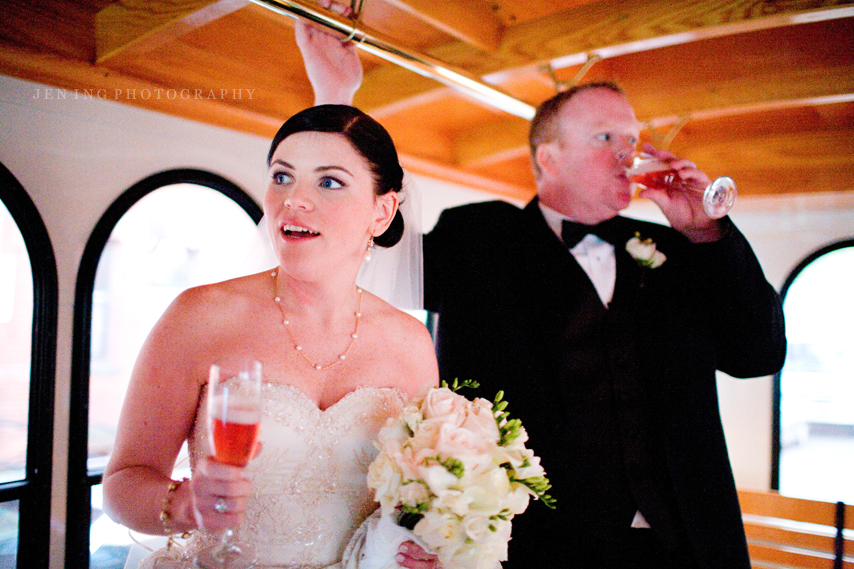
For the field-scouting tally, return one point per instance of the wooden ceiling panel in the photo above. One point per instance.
(473, 22)
(739, 70)
(446, 114)
(513, 12)
(492, 142)
(62, 27)
(401, 25)
(615, 26)
(516, 170)
(628, 25)
(765, 89)
(802, 149)
(253, 59)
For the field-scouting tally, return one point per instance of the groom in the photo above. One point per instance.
(609, 359)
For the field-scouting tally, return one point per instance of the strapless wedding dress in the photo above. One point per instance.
(309, 481)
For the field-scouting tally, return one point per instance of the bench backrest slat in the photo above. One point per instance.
(785, 532)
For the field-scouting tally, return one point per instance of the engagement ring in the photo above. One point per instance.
(221, 507)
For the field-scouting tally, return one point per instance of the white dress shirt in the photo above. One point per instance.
(595, 256)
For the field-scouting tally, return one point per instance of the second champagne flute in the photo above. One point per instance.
(233, 420)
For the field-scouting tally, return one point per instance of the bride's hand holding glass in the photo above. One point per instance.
(221, 491)
(212, 482)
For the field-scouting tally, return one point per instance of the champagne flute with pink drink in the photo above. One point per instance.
(233, 419)
(648, 171)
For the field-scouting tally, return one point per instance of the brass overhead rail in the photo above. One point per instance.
(373, 42)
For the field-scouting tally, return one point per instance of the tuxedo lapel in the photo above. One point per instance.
(554, 271)
(631, 278)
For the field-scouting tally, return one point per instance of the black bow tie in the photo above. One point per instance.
(572, 232)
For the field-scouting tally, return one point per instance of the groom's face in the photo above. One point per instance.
(584, 170)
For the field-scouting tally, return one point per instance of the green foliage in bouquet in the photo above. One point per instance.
(510, 430)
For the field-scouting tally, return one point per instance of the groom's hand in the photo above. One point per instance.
(412, 556)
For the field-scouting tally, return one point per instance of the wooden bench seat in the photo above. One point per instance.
(793, 533)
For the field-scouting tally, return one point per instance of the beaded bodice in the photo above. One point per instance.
(309, 480)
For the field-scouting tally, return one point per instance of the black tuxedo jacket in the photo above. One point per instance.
(607, 395)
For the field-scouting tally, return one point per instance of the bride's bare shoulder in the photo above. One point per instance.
(207, 308)
(223, 295)
(408, 344)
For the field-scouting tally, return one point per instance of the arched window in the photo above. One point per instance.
(169, 232)
(28, 316)
(815, 390)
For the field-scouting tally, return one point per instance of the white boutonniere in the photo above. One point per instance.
(645, 252)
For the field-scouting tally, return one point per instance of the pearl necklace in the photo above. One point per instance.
(297, 346)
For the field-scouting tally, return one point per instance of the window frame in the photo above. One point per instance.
(80, 478)
(34, 491)
(776, 427)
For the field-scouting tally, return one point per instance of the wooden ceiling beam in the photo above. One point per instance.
(473, 21)
(493, 142)
(608, 28)
(618, 27)
(132, 27)
(811, 65)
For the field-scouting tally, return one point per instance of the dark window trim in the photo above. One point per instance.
(80, 479)
(778, 394)
(34, 492)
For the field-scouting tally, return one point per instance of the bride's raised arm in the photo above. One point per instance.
(332, 65)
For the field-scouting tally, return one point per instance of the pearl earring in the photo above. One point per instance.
(370, 248)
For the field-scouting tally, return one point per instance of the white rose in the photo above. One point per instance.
(454, 501)
(409, 463)
(440, 530)
(657, 260)
(469, 448)
(438, 479)
(425, 436)
(385, 478)
(476, 527)
(481, 420)
(645, 252)
(533, 470)
(488, 492)
(517, 501)
(472, 555)
(442, 403)
(413, 494)
(500, 537)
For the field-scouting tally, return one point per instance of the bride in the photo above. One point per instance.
(338, 361)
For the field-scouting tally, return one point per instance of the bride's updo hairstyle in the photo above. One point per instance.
(369, 139)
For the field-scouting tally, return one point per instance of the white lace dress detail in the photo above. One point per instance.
(310, 491)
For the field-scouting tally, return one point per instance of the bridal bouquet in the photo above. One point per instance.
(455, 472)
